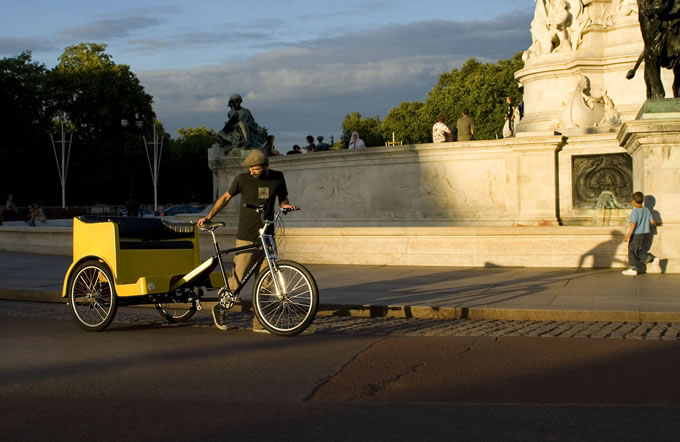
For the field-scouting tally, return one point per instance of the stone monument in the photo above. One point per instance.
(575, 70)
(240, 130)
(557, 195)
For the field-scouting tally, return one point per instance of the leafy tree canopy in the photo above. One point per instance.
(186, 177)
(369, 129)
(479, 87)
(94, 94)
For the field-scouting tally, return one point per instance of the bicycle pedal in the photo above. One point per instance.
(199, 307)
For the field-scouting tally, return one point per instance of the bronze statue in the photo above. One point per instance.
(240, 130)
(660, 26)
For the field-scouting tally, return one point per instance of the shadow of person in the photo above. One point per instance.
(604, 254)
(650, 202)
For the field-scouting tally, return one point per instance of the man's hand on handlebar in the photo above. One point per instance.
(286, 207)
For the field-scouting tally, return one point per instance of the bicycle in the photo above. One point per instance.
(285, 295)
(133, 261)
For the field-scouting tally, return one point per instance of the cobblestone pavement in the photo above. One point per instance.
(378, 326)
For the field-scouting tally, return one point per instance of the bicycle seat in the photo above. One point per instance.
(206, 227)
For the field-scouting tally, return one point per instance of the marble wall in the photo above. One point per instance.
(499, 182)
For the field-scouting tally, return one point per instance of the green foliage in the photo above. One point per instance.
(369, 129)
(185, 175)
(107, 162)
(407, 124)
(25, 151)
(479, 87)
(85, 56)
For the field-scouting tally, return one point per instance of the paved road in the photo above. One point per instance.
(141, 381)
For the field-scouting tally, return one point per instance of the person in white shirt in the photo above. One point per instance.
(355, 142)
(439, 130)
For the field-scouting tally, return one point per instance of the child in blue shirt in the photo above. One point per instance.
(640, 219)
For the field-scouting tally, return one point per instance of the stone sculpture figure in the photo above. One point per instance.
(558, 20)
(240, 130)
(558, 26)
(623, 11)
(580, 109)
(660, 26)
(611, 116)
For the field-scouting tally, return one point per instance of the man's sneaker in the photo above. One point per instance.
(220, 317)
(257, 326)
(629, 272)
(651, 258)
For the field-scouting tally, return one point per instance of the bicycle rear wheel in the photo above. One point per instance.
(291, 312)
(92, 295)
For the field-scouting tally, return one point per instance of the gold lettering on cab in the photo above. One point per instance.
(263, 193)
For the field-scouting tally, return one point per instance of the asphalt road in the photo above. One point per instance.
(140, 381)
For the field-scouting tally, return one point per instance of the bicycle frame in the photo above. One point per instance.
(267, 249)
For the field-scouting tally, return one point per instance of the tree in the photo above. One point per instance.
(186, 176)
(97, 94)
(480, 88)
(408, 123)
(369, 129)
(24, 153)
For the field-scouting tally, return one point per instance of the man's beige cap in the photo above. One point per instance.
(256, 158)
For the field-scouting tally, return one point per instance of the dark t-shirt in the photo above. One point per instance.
(465, 125)
(258, 191)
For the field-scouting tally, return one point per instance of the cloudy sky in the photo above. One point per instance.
(300, 65)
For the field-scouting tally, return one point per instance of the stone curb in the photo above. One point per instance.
(413, 311)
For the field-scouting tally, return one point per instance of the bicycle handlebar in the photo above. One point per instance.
(260, 208)
(210, 225)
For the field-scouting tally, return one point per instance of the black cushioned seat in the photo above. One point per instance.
(150, 230)
(145, 245)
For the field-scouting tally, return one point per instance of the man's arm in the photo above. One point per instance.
(630, 231)
(219, 205)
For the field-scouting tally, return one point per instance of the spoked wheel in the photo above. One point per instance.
(92, 296)
(176, 310)
(291, 311)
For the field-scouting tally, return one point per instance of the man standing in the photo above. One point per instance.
(259, 186)
(465, 126)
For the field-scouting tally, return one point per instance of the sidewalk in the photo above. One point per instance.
(431, 292)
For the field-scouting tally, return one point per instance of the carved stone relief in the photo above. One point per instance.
(594, 175)
(558, 26)
(622, 11)
(584, 110)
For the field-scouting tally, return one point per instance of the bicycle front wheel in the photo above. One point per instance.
(291, 311)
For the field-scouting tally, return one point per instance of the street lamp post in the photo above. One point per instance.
(62, 163)
(155, 165)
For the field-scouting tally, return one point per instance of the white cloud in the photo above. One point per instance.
(309, 88)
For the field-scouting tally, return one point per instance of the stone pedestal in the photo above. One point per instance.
(565, 85)
(654, 143)
(490, 183)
